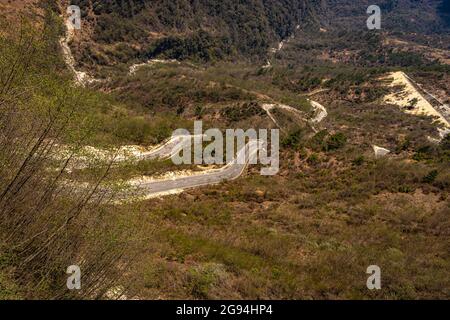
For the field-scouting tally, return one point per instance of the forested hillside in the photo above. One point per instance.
(418, 16)
(202, 29)
(210, 30)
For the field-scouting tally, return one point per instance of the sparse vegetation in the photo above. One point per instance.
(308, 232)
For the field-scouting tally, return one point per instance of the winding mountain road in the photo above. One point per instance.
(230, 171)
(321, 113)
(160, 187)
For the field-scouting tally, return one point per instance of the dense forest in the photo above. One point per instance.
(171, 28)
(209, 30)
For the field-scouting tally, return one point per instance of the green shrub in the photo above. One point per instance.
(423, 153)
(313, 159)
(405, 189)
(242, 111)
(358, 161)
(445, 143)
(198, 111)
(335, 141)
(294, 139)
(430, 177)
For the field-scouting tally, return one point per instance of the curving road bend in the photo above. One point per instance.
(165, 150)
(321, 113)
(172, 146)
(230, 171)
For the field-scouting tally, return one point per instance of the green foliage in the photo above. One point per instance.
(206, 29)
(164, 87)
(313, 159)
(412, 104)
(135, 129)
(242, 111)
(430, 177)
(42, 113)
(305, 82)
(111, 28)
(445, 143)
(358, 161)
(198, 111)
(200, 46)
(406, 59)
(335, 141)
(403, 145)
(294, 139)
(317, 142)
(405, 189)
(201, 279)
(424, 152)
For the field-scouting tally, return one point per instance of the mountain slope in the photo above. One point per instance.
(202, 29)
(206, 30)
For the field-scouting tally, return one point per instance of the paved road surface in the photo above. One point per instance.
(230, 171)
